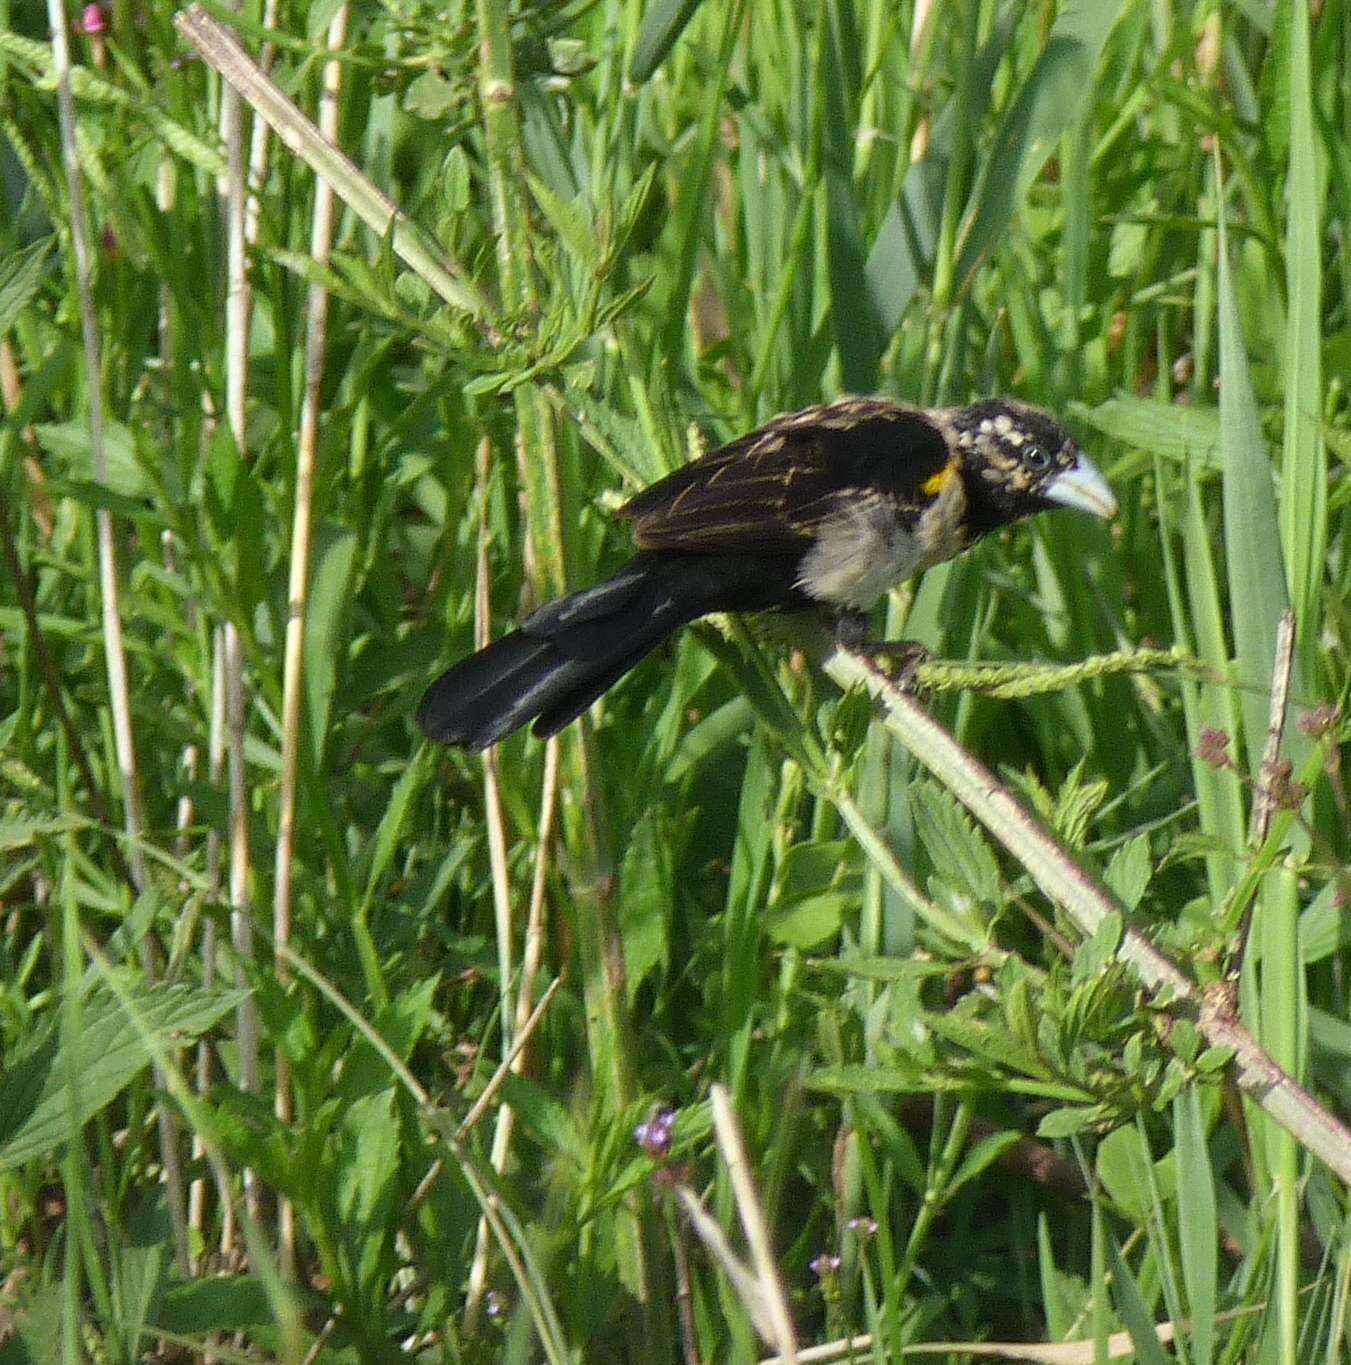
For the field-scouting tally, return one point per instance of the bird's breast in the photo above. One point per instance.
(871, 543)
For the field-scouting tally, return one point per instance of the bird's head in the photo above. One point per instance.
(1018, 460)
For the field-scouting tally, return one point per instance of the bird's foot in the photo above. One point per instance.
(898, 659)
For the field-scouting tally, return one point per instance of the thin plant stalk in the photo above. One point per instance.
(1088, 905)
(114, 652)
(222, 51)
(753, 1223)
(260, 136)
(302, 522)
(237, 310)
(119, 689)
(501, 883)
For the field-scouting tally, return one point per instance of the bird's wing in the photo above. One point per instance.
(770, 491)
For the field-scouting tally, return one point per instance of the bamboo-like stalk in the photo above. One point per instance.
(237, 311)
(259, 138)
(1088, 905)
(302, 521)
(600, 945)
(114, 652)
(501, 883)
(202, 1079)
(222, 51)
(753, 1223)
(119, 687)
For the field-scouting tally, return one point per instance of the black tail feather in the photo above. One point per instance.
(563, 657)
(570, 651)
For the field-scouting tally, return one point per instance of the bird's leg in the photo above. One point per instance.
(898, 659)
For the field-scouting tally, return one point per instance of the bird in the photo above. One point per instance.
(825, 508)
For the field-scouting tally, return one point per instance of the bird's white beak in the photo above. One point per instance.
(1083, 488)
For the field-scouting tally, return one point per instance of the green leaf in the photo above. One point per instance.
(959, 852)
(28, 831)
(366, 1164)
(808, 921)
(218, 1304)
(545, 1117)
(1257, 583)
(1046, 104)
(663, 23)
(1099, 952)
(1070, 1120)
(573, 222)
(326, 613)
(902, 253)
(1123, 1166)
(392, 829)
(71, 443)
(873, 1080)
(430, 96)
(985, 1153)
(1197, 1240)
(1304, 466)
(646, 899)
(36, 1106)
(1184, 433)
(20, 279)
(1130, 870)
(987, 1041)
(1135, 1312)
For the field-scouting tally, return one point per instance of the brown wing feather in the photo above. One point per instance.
(770, 490)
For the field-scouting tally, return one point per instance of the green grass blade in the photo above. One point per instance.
(663, 23)
(1198, 1244)
(1256, 569)
(1304, 460)
(1044, 108)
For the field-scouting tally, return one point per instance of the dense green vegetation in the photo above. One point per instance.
(660, 224)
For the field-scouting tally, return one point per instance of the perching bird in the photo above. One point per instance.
(829, 507)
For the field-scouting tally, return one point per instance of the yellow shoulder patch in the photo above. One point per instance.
(935, 483)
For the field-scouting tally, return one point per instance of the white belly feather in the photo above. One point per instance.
(861, 550)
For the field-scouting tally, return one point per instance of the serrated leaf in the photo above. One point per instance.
(430, 97)
(72, 444)
(980, 1039)
(1072, 1119)
(38, 1111)
(20, 280)
(957, 848)
(27, 831)
(546, 1118)
(646, 901)
(367, 1158)
(573, 223)
(1098, 953)
(1076, 803)
(877, 1080)
(1129, 871)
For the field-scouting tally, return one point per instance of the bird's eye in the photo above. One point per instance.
(1036, 458)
